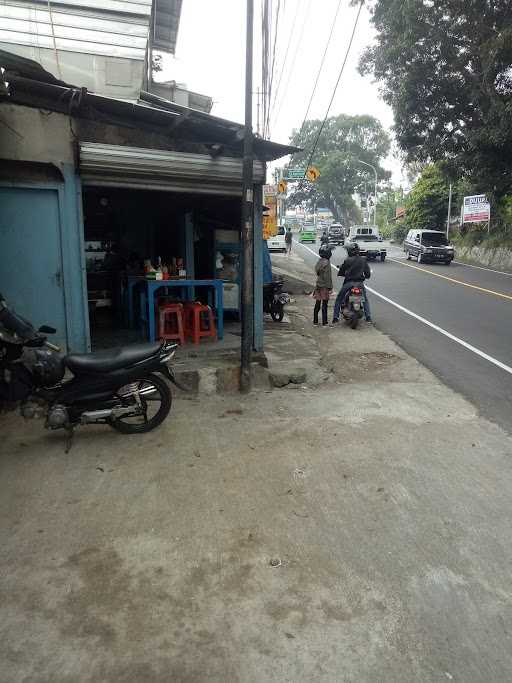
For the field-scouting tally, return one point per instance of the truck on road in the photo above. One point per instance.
(370, 242)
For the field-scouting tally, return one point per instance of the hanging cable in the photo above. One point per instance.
(320, 130)
(276, 93)
(321, 64)
(271, 79)
(294, 61)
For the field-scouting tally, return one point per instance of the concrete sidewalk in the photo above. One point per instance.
(355, 527)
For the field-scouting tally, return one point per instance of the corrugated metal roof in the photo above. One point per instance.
(166, 21)
(90, 27)
(33, 86)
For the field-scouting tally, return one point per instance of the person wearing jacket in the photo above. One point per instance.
(323, 286)
(355, 270)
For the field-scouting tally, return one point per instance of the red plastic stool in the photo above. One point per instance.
(199, 321)
(170, 322)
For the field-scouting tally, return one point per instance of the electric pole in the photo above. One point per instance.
(247, 216)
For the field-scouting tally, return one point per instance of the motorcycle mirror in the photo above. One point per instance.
(46, 329)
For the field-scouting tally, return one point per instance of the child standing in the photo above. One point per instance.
(323, 287)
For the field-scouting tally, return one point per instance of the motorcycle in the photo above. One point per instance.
(352, 307)
(123, 388)
(274, 299)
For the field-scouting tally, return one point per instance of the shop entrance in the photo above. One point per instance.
(185, 235)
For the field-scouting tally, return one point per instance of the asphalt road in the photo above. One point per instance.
(471, 304)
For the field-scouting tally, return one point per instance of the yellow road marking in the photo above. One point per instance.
(452, 279)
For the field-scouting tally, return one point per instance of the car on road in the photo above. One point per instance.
(369, 240)
(307, 234)
(336, 233)
(277, 242)
(428, 246)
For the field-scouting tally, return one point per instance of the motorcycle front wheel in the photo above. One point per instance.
(155, 399)
(277, 311)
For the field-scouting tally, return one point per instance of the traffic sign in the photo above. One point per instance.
(282, 186)
(294, 173)
(312, 173)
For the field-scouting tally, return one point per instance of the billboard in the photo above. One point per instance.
(476, 209)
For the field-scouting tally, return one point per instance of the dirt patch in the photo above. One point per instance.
(352, 367)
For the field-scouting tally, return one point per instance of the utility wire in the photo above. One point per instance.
(285, 58)
(320, 130)
(321, 65)
(294, 61)
(266, 125)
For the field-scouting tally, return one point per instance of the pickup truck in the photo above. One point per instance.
(371, 244)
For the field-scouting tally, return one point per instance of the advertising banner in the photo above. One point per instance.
(476, 209)
(270, 214)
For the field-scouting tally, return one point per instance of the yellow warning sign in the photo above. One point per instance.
(282, 187)
(312, 173)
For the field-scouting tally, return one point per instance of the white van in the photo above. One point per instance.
(277, 242)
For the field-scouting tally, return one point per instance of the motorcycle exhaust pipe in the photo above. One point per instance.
(91, 416)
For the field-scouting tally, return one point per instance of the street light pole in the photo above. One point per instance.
(375, 196)
(247, 216)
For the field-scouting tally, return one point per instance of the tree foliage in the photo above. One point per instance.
(427, 203)
(343, 141)
(445, 69)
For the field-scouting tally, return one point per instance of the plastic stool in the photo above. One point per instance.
(199, 321)
(170, 322)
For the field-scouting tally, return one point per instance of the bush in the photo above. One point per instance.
(399, 232)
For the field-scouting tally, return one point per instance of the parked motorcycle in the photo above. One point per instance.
(352, 308)
(121, 387)
(274, 299)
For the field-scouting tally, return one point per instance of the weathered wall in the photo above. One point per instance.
(500, 258)
(28, 134)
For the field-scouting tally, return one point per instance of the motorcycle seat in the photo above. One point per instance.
(112, 359)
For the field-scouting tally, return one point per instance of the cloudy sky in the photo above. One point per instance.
(210, 58)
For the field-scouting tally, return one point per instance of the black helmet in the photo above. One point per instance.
(324, 251)
(353, 249)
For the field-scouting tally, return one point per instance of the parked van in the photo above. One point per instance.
(277, 242)
(428, 245)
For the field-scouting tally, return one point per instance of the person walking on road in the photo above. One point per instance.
(288, 240)
(323, 286)
(356, 270)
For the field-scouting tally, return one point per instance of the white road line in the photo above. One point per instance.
(490, 270)
(433, 326)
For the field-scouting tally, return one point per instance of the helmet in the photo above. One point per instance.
(353, 249)
(324, 251)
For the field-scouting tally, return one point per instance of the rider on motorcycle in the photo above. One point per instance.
(324, 239)
(356, 270)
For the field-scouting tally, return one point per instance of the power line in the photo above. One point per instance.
(285, 58)
(298, 44)
(321, 64)
(266, 123)
(320, 130)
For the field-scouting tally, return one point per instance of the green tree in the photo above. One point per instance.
(427, 203)
(343, 141)
(444, 66)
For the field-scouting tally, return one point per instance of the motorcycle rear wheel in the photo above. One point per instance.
(277, 312)
(156, 406)
(354, 322)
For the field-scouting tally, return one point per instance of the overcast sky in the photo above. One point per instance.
(210, 59)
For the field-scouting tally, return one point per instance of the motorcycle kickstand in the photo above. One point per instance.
(69, 440)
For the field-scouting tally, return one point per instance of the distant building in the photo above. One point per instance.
(105, 46)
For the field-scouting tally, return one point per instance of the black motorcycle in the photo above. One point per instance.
(274, 299)
(352, 308)
(122, 387)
